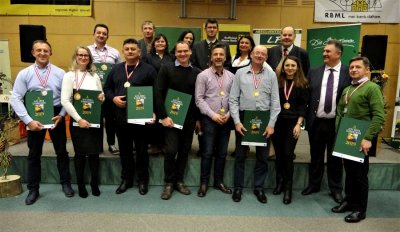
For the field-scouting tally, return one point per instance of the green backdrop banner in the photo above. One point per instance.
(317, 38)
(172, 34)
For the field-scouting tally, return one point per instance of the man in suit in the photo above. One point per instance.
(148, 30)
(287, 47)
(201, 51)
(326, 86)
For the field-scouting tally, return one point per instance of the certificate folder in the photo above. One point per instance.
(140, 104)
(102, 70)
(88, 107)
(177, 105)
(348, 140)
(255, 123)
(40, 107)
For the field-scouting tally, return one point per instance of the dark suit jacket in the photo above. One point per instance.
(315, 77)
(201, 55)
(275, 56)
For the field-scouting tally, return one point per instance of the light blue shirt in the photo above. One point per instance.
(242, 93)
(27, 81)
(107, 54)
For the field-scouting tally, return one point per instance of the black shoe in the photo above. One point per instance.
(260, 196)
(167, 193)
(223, 188)
(237, 195)
(143, 188)
(125, 184)
(278, 189)
(95, 190)
(67, 189)
(33, 195)
(113, 149)
(287, 197)
(233, 154)
(337, 197)
(343, 207)
(181, 187)
(82, 192)
(202, 190)
(309, 190)
(355, 216)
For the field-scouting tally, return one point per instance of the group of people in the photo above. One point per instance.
(278, 80)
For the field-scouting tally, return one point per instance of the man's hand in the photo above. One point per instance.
(57, 119)
(268, 132)
(240, 128)
(120, 101)
(218, 119)
(35, 126)
(83, 123)
(365, 146)
(296, 131)
(197, 128)
(167, 122)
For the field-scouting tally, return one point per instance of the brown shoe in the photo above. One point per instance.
(181, 187)
(167, 193)
(202, 190)
(223, 188)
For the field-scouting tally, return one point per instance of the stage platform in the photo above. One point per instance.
(384, 173)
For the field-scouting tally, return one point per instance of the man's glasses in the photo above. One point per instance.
(82, 55)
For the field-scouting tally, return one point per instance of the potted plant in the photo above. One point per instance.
(10, 185)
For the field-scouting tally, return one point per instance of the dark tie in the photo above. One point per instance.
(329, 92)
(285, 52)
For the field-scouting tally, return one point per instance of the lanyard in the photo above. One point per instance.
(104, 58)
(43, 81)
(126, 71)
(255, 81)
(77, 83)
(347, 98)
(287, 94)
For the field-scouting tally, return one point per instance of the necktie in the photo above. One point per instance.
(329, 92)
(285, 52)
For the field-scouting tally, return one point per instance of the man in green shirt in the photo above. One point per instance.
(361, 100)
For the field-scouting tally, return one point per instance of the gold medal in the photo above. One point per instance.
(221, 93)
(286, 105)
(256, 93)
(104, 67)
(44, 92)
(77, 96)
(222, 111)
(127, 84)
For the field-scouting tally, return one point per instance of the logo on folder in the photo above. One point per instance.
(87, 105)
(39, 107)
(352, 136)
(255, 125)
(175, 106)
(139, 101)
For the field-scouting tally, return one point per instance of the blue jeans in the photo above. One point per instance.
(214, 141)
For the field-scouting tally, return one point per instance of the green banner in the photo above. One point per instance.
(317, 38)
(173, 33)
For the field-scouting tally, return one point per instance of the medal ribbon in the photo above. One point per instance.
(126, 71)
(43, 82)
(255, 81)
(287, 94)
(79, 84)
(220, 82)
(347, 98)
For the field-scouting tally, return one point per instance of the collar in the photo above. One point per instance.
(250, 67)
(177, 63)
(359, 81)
(215, 71)
(336, 67)
(104, 48)
(288, 49)
(39, 67)
(209, 41)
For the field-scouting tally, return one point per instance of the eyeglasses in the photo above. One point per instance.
(82, 55)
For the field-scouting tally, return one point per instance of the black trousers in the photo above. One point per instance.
(127, 135)
(321, 136)
(35, 145)
(107, 110)
(356, 184)
(284, 145)
(177, 146)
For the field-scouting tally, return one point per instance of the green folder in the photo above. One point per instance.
(140, 104)
(40, 108)
(88, 107)
(102, 69)
(255, 123)
(348, 140)
(177, 105)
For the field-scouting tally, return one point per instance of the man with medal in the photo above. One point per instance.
(361, 100)
(255, 87)
(132, 72)
(42, 76)
(213, 86)
(326, 85)
(104, 57)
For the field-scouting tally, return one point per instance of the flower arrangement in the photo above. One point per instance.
(380, 78)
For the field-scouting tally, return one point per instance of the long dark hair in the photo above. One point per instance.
(238, 43)
(300, 80)
(183, 34)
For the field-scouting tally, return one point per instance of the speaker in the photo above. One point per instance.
(374, 47)
(27, 35)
